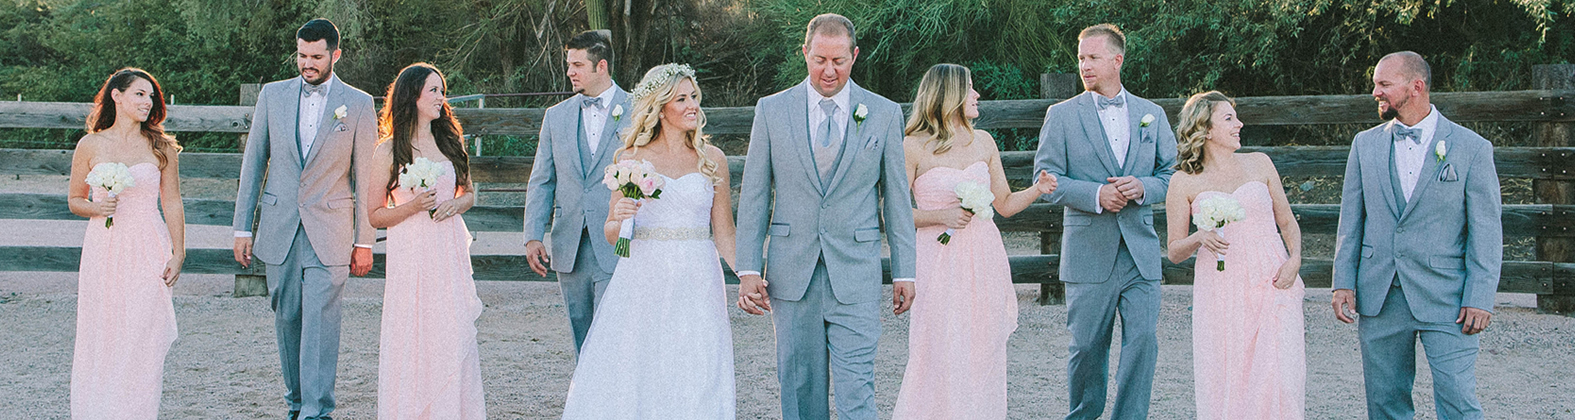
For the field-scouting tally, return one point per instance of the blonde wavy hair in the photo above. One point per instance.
(656, 89)
(942, 94)
(1192, 131)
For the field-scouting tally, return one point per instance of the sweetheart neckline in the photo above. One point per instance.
(964, 169)
(1233, 192)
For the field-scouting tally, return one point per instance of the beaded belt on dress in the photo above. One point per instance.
(672, 234)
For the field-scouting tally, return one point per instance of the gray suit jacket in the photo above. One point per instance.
(782, 197)
(1073, 146)
(1446, 246)
(319, 195)
(560, 186)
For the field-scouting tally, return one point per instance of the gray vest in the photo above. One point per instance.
(827, 158)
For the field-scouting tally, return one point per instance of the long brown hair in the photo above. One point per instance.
(103, 115)
(942, 94)
(397, 123)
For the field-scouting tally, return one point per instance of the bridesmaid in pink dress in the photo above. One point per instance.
(125, 318)
(1247, 335)
(429, 366)
(965, 307)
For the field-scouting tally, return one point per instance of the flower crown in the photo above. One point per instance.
(661, 75)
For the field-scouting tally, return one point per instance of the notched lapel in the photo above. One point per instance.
(292, 115)
(853, 139)
(1430, 165)
(1094, 132)
(326, 124)
(610, 135)
(569, 128)
(798, 124)
(1137, 136)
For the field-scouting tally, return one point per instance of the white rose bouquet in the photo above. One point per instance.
(113, 177)
(420, 176)
(1213, 214)
(637, 180)
(975, 198)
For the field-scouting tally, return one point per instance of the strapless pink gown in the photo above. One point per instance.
(1247, 336)
(125, 318)
(429, 366)
(964, 310)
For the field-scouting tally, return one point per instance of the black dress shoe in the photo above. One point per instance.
(294, 414)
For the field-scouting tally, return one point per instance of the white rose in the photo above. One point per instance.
(1147, 119)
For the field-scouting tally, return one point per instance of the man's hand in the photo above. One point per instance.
(1111, 199)
(1345, 305)
(1128, 186)
(361, 261)
(243, 252)
(536, 255)
(901, 296)
(752, 296)
(1473, 320)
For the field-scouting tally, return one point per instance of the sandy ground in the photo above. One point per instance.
(225, 363)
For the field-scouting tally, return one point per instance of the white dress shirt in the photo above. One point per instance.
(839, 121)
(595, 118)
(312, 115)
(1118, 132)
(1411, 156)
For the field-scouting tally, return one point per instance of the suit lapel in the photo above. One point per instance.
(292, 109)
(1094, 131)
(327, 123)
(798, 121)
(1134, 136)
(609, 141)
(1384, 148)
(852, 138)
(568, 122)
(1430, 165)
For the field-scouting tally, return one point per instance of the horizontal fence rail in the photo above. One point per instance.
(1522, 105)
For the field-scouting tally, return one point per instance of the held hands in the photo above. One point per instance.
(536, 255)
(1111, 198)
(360, 261)
(1128, 186)
(1286, 277)
(901, 296)
(624, 209)
(752, 296)
(1045, 183)
(1473, 320)
(1345, 305)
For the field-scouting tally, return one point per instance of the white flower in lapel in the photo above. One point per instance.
(617, 112)
(1441, 150)
(1147, 119)
(860, 113)
(339, 113)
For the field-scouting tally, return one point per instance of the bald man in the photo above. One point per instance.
(1420, 246)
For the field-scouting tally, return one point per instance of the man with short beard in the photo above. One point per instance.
(310, 135)
(1419, 246)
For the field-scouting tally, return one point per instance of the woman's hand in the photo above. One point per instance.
(172, 270)
(1045, 183)
(624, 209)
(106, 206)
(451, 208)
(956, 217)
(426, 200)
(1211, 241)
(1288, 272)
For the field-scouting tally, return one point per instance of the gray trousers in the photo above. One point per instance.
(583, 287)
(820, 342)
(1389, 363)
(305, 295)
(1091, 310)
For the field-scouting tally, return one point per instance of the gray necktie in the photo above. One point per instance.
(826, 127)
(1414, 134)
(312, 89)
(1104, 102)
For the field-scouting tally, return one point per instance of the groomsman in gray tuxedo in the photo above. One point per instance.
(578, 138)
(313, 231)
(1420, 246)
(1114, 153)
(824, 173)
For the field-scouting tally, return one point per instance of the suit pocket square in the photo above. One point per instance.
(1147, 138)
(871, 143)
(1448, 174)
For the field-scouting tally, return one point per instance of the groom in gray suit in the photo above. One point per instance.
(313, 231)
(1420, 246)
(824, 173)
(578, 138)
(1114, 153)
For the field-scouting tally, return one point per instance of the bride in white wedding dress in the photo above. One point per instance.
(661, 346)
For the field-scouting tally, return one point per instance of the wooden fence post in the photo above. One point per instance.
(247, 285)
(1051, 290)
(1554, 134)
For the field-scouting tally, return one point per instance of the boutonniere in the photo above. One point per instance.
(860, 113)
(1147, 119)
(1441, 150)
(617, 112)
(339, 113)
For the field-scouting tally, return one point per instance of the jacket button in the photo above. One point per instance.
(1400, 231)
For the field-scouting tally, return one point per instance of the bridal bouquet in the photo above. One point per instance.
(420, 176)
(976, 199)
(637, 180)
(113, 177)
(1213, 214)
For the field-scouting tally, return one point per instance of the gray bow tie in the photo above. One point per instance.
(1104, 102)
(1414, 134)
(591, 101)
(311, 89)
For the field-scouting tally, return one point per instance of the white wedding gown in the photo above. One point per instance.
(661, 346)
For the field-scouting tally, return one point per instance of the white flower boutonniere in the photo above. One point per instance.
(617, 112)
(340, 112)
(1147, 119)
(1441, 150)
(860, 113)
